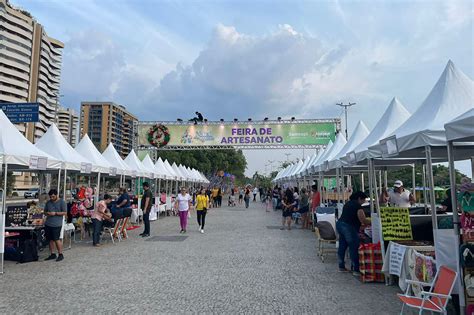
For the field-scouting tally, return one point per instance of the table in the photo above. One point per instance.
(35, 232)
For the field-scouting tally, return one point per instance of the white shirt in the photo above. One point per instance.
(255, 191)
(183, 202)
(400, 200)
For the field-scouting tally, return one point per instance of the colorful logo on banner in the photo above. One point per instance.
(241, 135)
(396, 225)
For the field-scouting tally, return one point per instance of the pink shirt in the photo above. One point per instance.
(99, 210)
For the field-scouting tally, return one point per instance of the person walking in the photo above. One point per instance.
(255, 192)
(183, 204)
(247, 197)
(275, 197)
(241, 195)
(146, 208)
(202, 204)
(54, 210)
(268, 200)
(348, 227)
(100, 214)
(219, 197)
(303, 208)
(288, 204)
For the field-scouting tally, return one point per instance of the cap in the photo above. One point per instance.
(398, 183)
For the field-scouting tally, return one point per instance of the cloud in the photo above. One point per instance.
(244, 75)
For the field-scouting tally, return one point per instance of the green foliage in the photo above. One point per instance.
(10, 183)
(440, 174)
(210, 161)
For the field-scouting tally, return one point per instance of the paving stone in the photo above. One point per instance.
(240, 265)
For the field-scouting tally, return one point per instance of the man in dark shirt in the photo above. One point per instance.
(145, 205)
(348, 229)
(54, 210)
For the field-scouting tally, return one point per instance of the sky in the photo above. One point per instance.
(226, 59)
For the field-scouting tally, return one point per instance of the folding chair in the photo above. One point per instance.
(322, 245)
(112, 231)
(436, 299)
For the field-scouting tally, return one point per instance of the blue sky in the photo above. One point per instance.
(166, 59)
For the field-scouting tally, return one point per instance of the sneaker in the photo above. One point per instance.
(96, 245)
(141, 234)
(184, 231)
(181, 232)
(202, 231)
(145, 235)
(356, 273)
(199, 228)
(60, 257)
(343, 270)
(51, 257)
(282, 228)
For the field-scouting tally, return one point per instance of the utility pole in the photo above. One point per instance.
(345, 112)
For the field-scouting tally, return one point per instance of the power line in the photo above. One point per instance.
(345, 106)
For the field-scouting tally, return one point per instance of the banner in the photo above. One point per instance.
(261, 134)
(396, 225)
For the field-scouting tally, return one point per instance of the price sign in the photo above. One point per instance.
(396, 225)
(38, 162)
(86, 168)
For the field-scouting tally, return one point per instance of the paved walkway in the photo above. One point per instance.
(238, 266)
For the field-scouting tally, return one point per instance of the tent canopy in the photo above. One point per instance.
(360, 133)
(461, 128)
(111, 155)
(87, 149)
(53, 143)
(16, 150)
(161, 169)
(136, 165)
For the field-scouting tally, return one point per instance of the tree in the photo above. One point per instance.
(210, 161)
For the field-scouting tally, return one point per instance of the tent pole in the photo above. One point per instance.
(385, 179)
(96, 197)
(159, 185)
(3, 211)
(452, 182)
(425, 197)
(59, 182)
(343, 186)
(64, 188)
(362, 183)
(413, 179)
(429, 169)
(369, 175)
(380, 183)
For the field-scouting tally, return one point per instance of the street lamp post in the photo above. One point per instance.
(345, 112)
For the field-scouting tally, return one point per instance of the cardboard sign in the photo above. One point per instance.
(397, 254)
(396, 224)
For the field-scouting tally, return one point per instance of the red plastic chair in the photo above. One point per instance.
(436, 299)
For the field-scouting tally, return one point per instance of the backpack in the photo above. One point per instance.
(28, 252)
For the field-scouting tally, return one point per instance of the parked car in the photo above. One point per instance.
(32, 193)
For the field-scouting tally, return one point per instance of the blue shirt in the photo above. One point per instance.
(123, 197)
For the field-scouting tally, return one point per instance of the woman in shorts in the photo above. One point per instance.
(288, 204)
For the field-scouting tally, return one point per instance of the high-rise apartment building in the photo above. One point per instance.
(30, 66)
(68, 123)
(107, 122)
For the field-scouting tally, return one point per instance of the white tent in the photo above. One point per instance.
(306, 164)
(339, 143)
(161, 169)
(178, 172)
(319, 157)
(171, 170)
(150, 167)
(16, 150)
(452, 95)
(54, 144)
(360, 134)
(184, 172)
(136, 166)
(394, 116)
(111, 155)
(87, 149)
(298, 168)
(461, 128)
